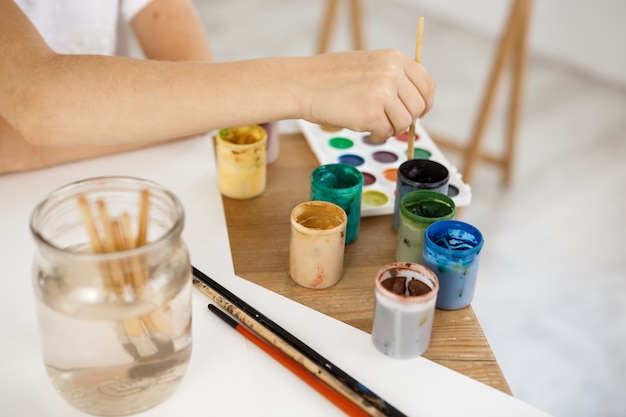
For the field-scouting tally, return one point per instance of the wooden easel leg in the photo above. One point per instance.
(515, 104)
(357, 24)
(356, 14)
(327, 25)
(507, 40)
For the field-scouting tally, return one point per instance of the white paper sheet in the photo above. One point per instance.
(228, 375)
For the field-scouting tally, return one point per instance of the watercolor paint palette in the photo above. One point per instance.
(379, 162)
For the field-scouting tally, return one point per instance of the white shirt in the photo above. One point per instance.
(83, 26)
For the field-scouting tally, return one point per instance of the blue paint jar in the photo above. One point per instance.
(342, 185)
(452, 250)
(419, 174)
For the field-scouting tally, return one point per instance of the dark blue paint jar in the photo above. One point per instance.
(419, 174)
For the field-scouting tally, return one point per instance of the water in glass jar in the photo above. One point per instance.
(107, 361)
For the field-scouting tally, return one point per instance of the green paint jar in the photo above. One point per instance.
(418, 210)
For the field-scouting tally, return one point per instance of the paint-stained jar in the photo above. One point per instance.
(405, 296)
(452, 249)
(273, 141)
(317, 244)
(419, 174)
(241, 154)
(112, 285)
(341, 184)
(418, 210)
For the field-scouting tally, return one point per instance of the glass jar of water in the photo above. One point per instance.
(112, 281)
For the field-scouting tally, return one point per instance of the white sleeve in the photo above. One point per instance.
(129, 8)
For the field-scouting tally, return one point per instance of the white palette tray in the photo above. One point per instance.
(379, 162)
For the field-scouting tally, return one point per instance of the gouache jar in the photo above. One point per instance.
(317, 244)
(340, 184)
(405, 295)
(452, 250)
(419, 174)
(112, 285)
(418, 210)
(241, 161)
(273, 141)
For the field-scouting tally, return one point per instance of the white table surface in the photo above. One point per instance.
(227, 375)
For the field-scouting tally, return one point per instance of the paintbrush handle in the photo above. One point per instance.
(410, 153)
(356, 392)
(333, 396)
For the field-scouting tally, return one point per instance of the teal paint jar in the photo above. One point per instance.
(342, 185)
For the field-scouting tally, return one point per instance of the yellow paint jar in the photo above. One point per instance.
(241, 154)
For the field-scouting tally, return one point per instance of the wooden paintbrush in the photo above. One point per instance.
(270, 331)
(335, 397)
(149, 334)
(418, 56)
